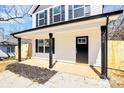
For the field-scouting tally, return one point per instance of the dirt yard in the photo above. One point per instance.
(37, 74)
(4, 63)
(116, 78)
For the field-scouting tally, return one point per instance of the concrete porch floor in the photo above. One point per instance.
(78, 69)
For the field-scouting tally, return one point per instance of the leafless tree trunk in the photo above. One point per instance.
(116, 28)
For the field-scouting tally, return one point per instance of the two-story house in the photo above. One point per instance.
(68, 33)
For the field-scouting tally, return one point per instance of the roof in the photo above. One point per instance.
(6, 43)
(33, 8)
(3, 54)
(71, 21)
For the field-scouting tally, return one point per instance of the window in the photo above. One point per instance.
(41, 18)
(46, 45)
(57, 14)
(77, 11)
(42, 46)
(10, 49)
(82, 40)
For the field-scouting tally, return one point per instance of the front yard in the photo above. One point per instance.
(36, 74)
(115, 77)
(44, 75)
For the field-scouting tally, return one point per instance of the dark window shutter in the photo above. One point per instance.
(70, 12)
(63, 12)
(45, 17)
(88, 10)
(36, 20)
(53, 41)
(51, 15)
(36, 45)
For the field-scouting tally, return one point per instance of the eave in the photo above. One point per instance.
(71, 21)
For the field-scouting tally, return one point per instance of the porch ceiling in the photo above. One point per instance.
(72, 27)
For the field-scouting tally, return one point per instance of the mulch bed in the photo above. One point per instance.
(37, 74)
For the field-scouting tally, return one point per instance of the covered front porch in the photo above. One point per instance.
(77, 69)
(94, 27)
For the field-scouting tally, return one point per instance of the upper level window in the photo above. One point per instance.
(41, 18)
(77, 11)
(57, 14)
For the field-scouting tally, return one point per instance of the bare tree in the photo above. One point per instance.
(14, 12)
(116, 28)
(10, 14)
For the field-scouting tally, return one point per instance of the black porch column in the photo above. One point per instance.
(19, 49)
(104, 52)
(50, 50)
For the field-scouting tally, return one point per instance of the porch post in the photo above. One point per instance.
(50, 50)
(104, 52)
(19, 49)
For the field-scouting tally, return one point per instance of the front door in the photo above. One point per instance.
(82, 49)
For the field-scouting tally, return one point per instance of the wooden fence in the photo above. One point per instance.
(116, 54)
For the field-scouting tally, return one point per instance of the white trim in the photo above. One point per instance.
(32, 9)
(66, 12)
(43, 45)
(41, 18)
(48, 16)
(82, 42)
(63, 61)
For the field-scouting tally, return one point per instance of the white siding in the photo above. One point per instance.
(34, 20)
(65, 46)
(96, 9)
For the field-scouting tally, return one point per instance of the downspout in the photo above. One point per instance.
(19, 47)
(107, 22)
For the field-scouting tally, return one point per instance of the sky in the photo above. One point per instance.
(26, 22)
(13, 26)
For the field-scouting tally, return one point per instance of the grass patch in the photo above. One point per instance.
(5, 63)
(37, 74)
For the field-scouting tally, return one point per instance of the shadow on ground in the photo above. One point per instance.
(95, 70)
(37, 74)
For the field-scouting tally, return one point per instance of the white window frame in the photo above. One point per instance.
(41, 18)
(38, 45)
(43, 45)
(82, 42)
(56, 14)
(75, 9)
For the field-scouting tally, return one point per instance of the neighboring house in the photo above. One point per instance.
(7, 49)
(68, 33)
